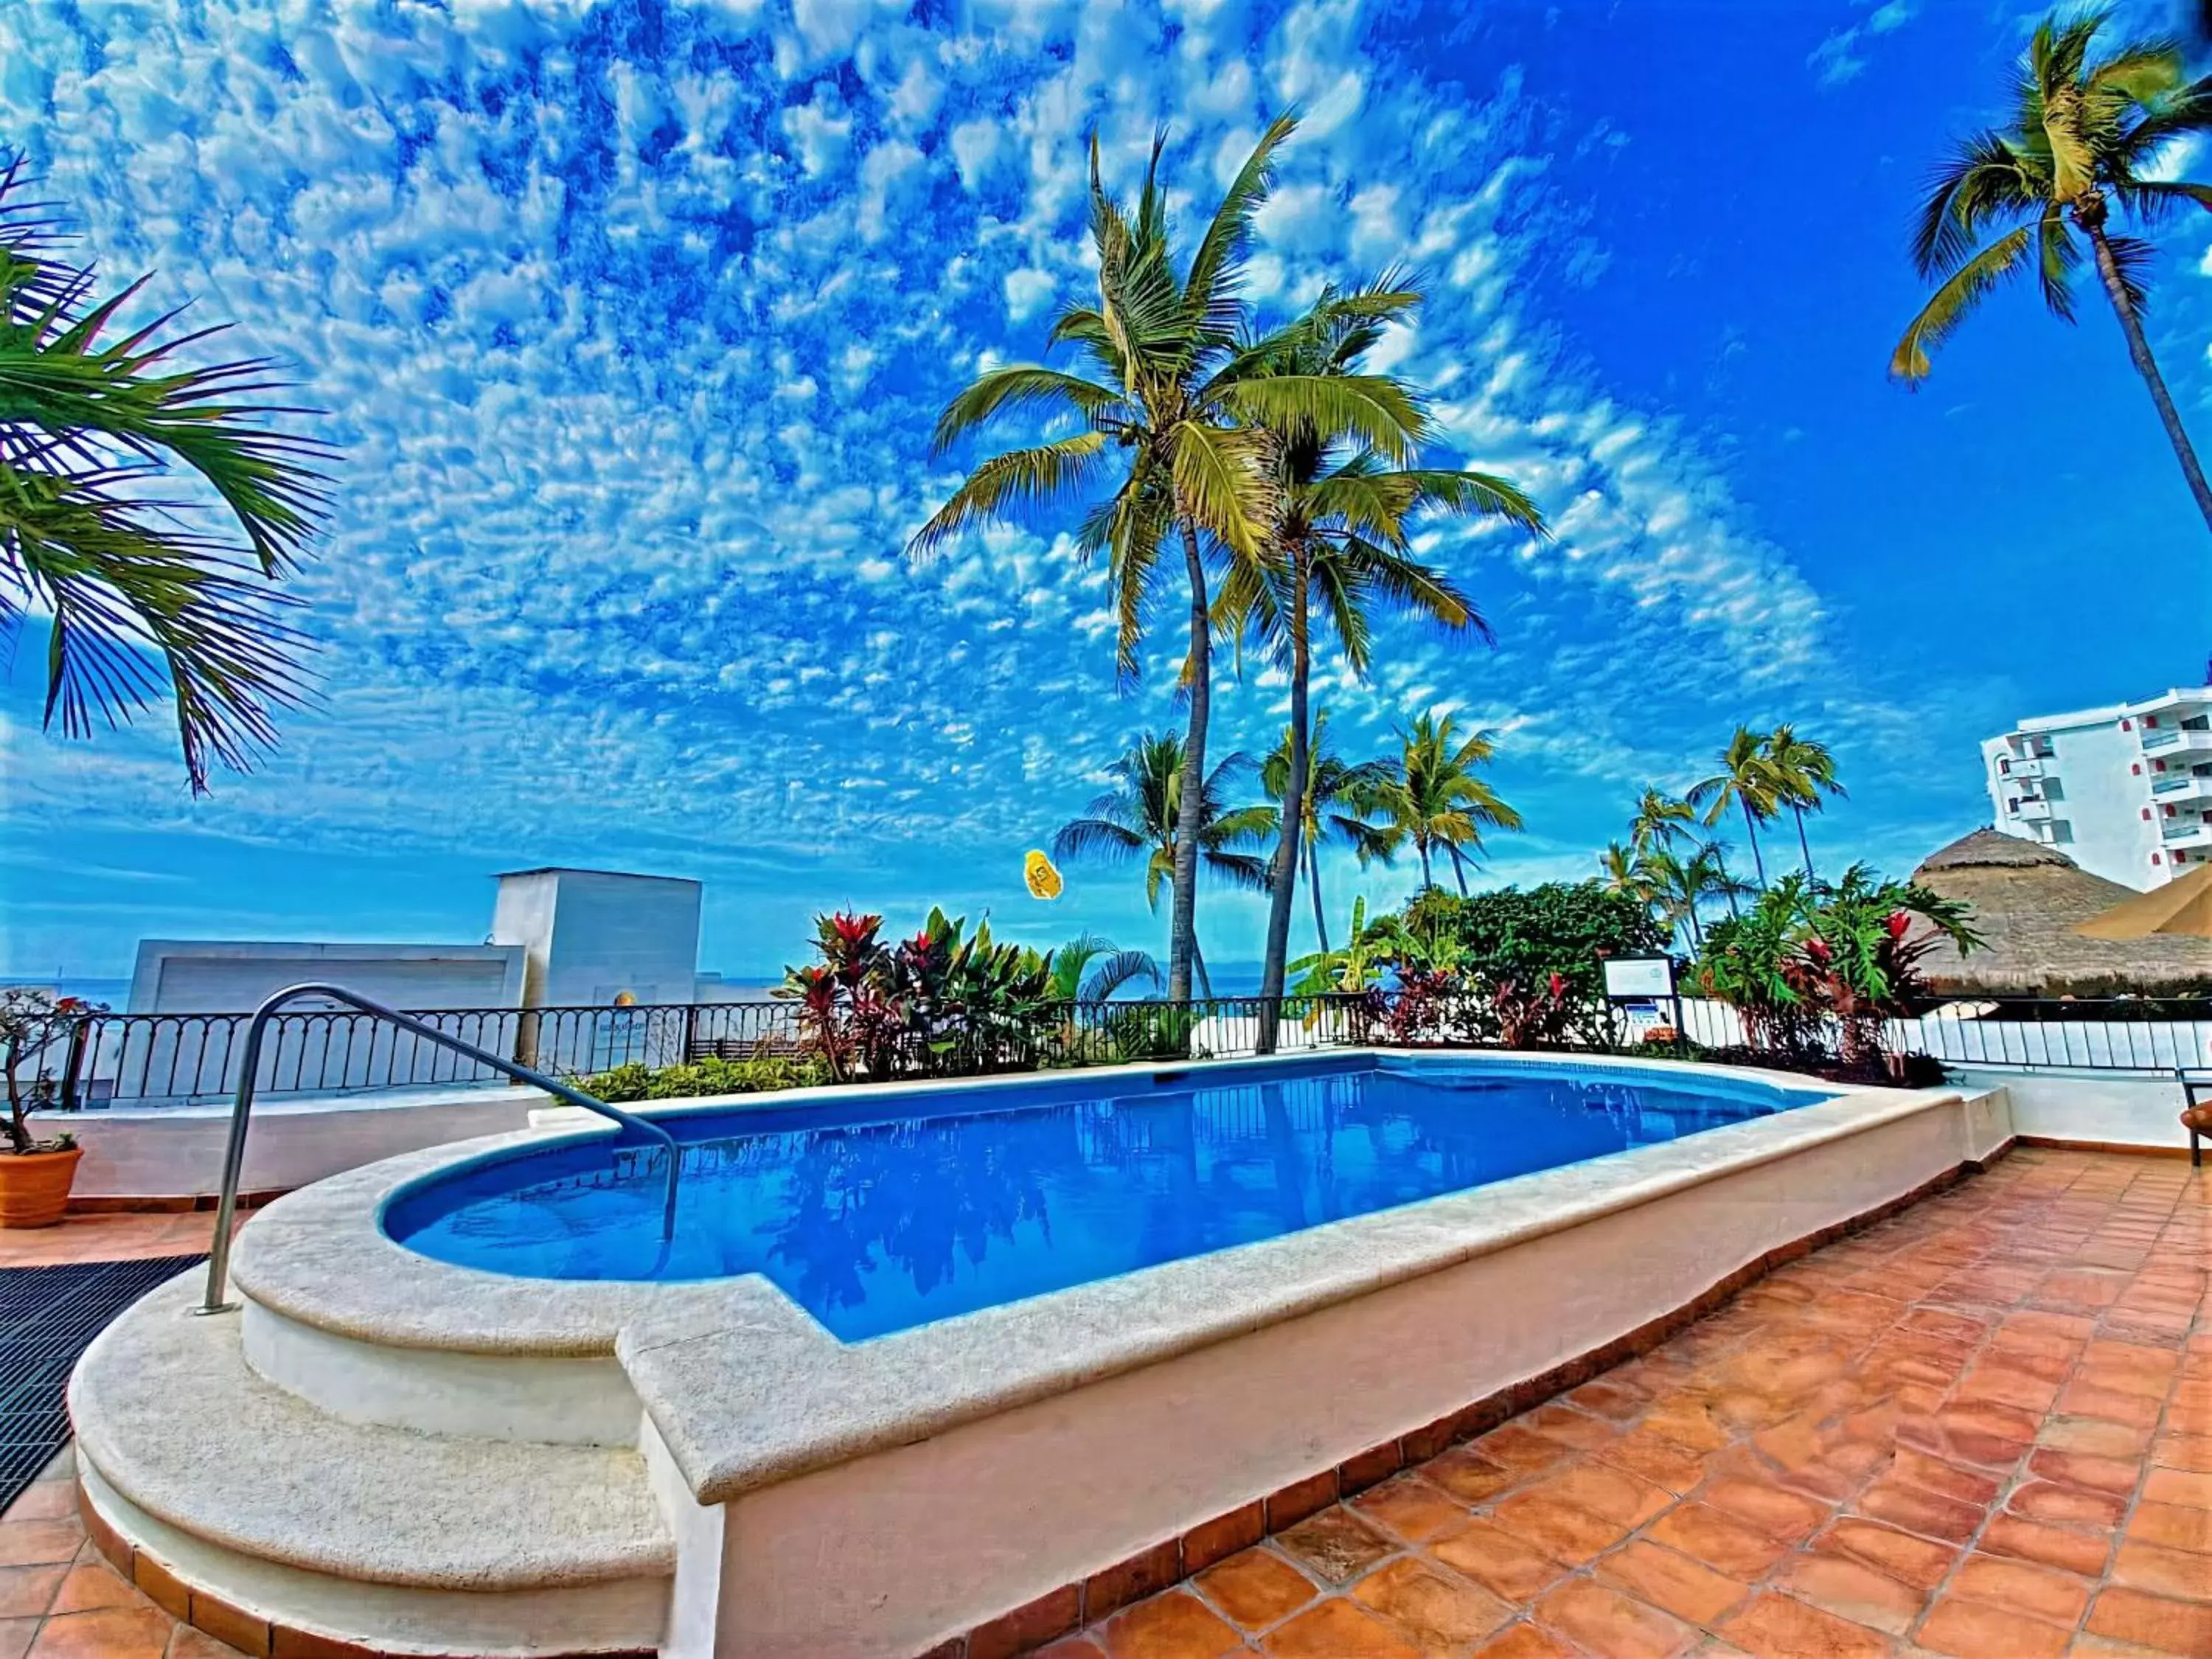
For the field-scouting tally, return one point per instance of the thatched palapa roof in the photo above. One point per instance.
(2026, 899)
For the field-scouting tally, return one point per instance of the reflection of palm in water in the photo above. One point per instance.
(914, 1194)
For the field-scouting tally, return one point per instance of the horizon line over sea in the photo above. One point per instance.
(1230, 979)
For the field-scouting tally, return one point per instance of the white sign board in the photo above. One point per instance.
(1638, 978)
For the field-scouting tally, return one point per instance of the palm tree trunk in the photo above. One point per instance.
(1313, 886)
(1751, 828)
(1205, 979)
(1803, 845)
(2092, 218)
(1459, 866)
(1283, 876)
(1183, 924)
(1422, 848)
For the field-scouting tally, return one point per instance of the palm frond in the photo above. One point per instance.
(1016, 387)
(1011, 483)
(1208, 290)
(1951, 303)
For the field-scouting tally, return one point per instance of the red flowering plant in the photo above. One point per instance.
(1814, 963)
(1531, 1017)
(940, 1001)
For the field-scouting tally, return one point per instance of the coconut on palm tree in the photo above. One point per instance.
(2089, 134)
(1804, 771)
(1139, 820)
(1437, 799)
(1339, 537)
(1172, 424)
(1338, 804)
(1746, 782)
(98, 428)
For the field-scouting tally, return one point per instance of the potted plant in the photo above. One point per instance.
(35, 1175)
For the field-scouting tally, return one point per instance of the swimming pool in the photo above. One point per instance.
(880, 1216)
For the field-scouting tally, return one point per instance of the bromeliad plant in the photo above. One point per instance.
(1813, 958)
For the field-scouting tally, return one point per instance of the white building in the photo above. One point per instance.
(2126, 790)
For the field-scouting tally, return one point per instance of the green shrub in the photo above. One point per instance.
(710, 1076)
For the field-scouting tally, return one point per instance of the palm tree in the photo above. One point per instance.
(1141, 818)
(1435, 798)
(1658, 821)
(1804, 770)
(1338, 804)
(1747, 780)
(1340, 534)
(2085, 137)
(1090, 968)
(1180, 399)
(140, 602)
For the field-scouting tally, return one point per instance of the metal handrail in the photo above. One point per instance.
(233, 1157)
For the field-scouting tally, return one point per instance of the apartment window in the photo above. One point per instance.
(2197, 723)
(2156, 765)
(2150, 722)
(2127, 726)
(2012, 806)
(2004, 768)
(2154, 859)
(2146, 813)
(2136, 767)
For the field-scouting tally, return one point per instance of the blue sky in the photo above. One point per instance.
(632, 319)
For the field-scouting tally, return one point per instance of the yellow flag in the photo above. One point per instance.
(1043, 880)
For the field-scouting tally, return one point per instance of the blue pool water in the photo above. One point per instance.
(874, 1223)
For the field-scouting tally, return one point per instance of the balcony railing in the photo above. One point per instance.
(101, 1060)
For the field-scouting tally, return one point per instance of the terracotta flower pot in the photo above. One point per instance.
(34, 1186)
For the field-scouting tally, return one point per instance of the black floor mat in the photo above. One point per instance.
(48, 1316)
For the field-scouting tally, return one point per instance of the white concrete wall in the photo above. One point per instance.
(881, 1557)
(229, 976)
(592, 936)
(2119, 1109)
(177, 1151)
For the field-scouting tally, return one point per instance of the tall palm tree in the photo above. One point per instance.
(1339, 536)
(2085, 137)
(1804, 770)
(1338, 804)
(1141, 817)
(1659, 821)
(1435, 798)
(1178, 407)
(92, 426)
(1746, 780)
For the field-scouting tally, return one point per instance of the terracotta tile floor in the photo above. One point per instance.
(1982, 1428)
(108, 1239)
(58, 1600)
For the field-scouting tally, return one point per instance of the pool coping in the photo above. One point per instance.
(746, 1389)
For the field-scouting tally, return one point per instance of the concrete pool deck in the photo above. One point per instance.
(1983, 1426)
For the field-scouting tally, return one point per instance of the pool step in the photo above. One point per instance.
(271, 1512)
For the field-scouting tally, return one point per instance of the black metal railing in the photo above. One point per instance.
(101, 1059)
